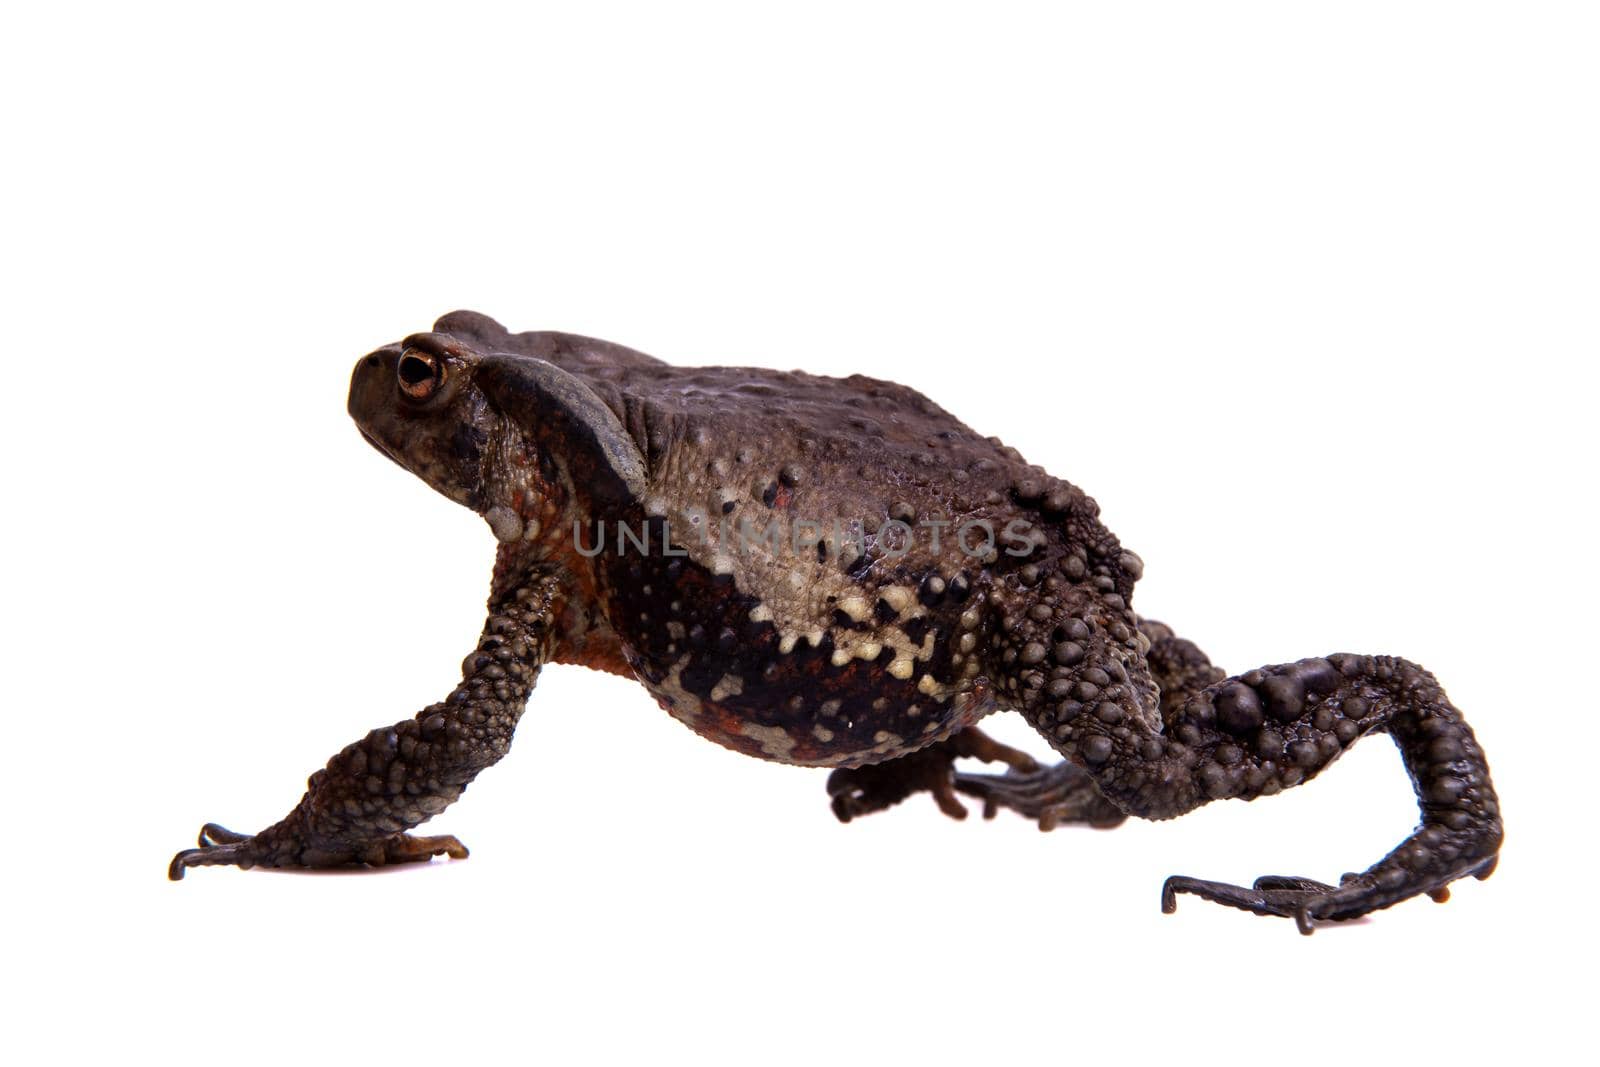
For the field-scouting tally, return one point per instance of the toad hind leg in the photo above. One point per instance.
(1177, 666)
(1054, 796)
(1264, 731)
(1066, 793)
(356, 810)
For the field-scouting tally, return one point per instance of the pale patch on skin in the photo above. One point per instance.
(804, 593)
(886, 744)
(856, 607)
(775, 741)
(899, 598)
(670, 694)
(728, 686)
(504, 523)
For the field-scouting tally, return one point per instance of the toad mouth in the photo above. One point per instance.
(375, 443)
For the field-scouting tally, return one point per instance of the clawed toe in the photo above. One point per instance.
(219, 847)
(208, 855)
(212, 834)
(1283, 895)
(404, 848)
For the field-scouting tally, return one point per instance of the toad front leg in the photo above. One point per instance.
(356, 810)
(1254, 735)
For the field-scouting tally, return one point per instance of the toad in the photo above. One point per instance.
(837, 573)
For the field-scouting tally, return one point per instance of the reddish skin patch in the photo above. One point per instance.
(598, 654)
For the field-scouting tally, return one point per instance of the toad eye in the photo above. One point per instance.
(419, 373)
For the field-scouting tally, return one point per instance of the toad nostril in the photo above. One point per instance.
(373, 360)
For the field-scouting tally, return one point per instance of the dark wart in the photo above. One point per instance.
(873, 646)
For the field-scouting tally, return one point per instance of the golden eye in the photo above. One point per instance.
(419, 373)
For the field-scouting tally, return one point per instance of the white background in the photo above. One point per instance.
(1303, 294)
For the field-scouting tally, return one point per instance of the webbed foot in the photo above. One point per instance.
(219, 846)
(1062, 793)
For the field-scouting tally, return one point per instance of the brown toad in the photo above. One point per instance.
(836, 573)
